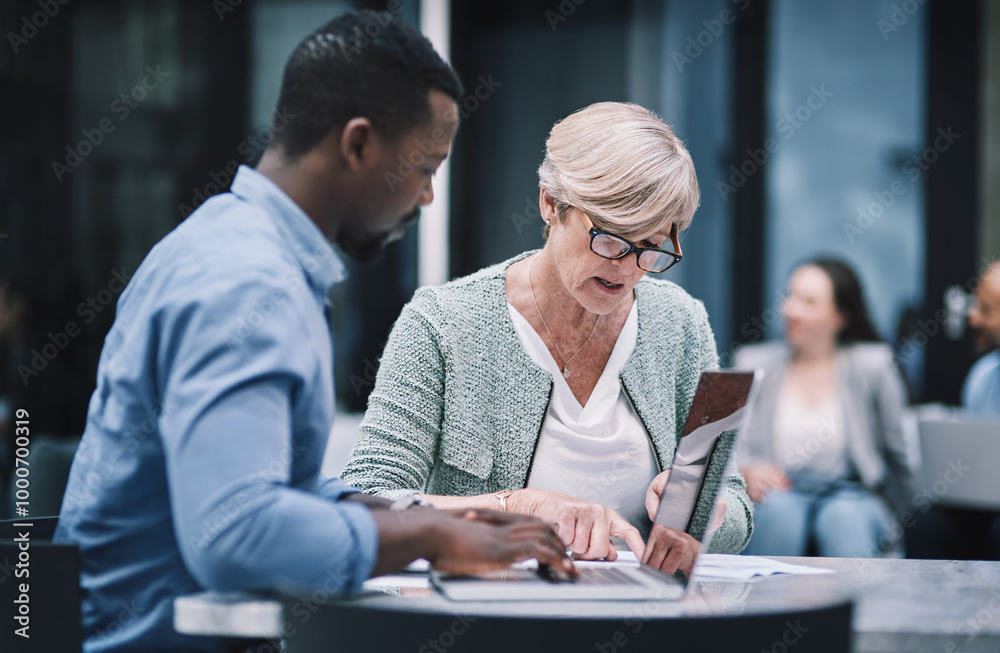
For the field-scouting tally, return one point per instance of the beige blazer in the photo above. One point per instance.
(874, 402)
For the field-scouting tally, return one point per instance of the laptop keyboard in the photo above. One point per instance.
(605, 576)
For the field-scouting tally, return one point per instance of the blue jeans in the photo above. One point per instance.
(843, 519)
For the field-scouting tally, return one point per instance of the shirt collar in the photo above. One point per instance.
(318, 258)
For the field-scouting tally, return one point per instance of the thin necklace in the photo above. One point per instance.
(565, 367)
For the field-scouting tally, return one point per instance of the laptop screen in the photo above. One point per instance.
(720, 405)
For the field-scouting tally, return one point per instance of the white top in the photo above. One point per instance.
(811, 439)
(598, 452)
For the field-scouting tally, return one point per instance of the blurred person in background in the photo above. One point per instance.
(963, 533)
(556, 383)
(981, 392)
(824, 455)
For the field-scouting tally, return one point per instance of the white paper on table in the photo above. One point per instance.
(413, 575)
(722, 566)
(417, 566)
(739, 567)
(398, 580)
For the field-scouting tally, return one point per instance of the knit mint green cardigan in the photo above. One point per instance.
(458, 405)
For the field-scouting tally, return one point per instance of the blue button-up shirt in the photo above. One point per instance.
(200, 464)
(981, 393)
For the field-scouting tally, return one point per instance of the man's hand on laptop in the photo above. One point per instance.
(466, 541)
(585, 528)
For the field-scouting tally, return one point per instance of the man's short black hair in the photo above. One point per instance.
(362, 64)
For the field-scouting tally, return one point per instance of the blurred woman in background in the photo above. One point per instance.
(824, 455)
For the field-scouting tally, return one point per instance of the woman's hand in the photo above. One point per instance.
(670, 550)
(584, 527)
(764, 478)
(655, 493)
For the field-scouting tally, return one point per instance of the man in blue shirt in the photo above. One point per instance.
(981, 393)
(953, 533)
(200, 464)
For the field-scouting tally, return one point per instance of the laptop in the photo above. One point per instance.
(960, 457)
(719, 410)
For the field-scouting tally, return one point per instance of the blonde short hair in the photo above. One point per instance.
(623, 166)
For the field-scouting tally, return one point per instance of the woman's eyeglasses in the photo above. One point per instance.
(615, 247)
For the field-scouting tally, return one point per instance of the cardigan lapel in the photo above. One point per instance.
(517, 435)
(648, 379)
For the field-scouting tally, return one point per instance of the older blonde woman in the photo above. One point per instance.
(555, 384)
